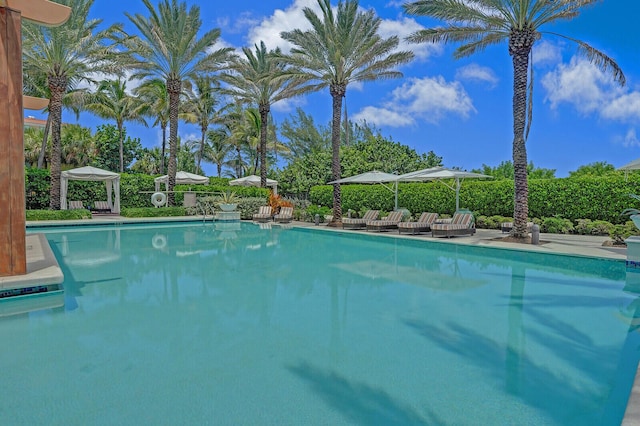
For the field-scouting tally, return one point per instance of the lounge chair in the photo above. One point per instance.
(460, 224)
(423, 224)
(263, 215)
(360, 223)
(390, 222)
(101, 207)
(508, 226)
(73, 205)
(285, 215)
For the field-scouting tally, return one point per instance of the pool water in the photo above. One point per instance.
(233, 324)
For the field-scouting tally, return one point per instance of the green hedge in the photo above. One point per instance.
(597, 198)
(135, 190)
(153, 212)
(58, 214)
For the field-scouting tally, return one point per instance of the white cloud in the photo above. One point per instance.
(402, 28)
(238, 25)
(288, 105)
(293, 17)
(546, 53)
(631, 139)
(282, 20)
(475, 72)
(580, 84)
(623, 108)
(590, 91)
(384, 117)
(433, 97)
(426, 99)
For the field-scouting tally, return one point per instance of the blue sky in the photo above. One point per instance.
(460, 109)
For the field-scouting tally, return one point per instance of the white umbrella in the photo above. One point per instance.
(374, 176)
(254, 180)
(439, 173)
(634, 165)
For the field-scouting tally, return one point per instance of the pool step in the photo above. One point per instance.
(40, 288)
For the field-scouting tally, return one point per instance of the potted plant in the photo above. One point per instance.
(227, 201)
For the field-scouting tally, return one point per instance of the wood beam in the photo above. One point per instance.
(12, 187)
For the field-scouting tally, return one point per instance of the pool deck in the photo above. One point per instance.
(42, 266)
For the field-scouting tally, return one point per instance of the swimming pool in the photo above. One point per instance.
(233, 324)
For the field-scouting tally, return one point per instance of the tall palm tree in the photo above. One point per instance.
(482, 23)
(153, 93)
(217, 148)
(258, 79)
(67, 55)
(340, 49)
(111, 100)
(200, 108)
(169, 48)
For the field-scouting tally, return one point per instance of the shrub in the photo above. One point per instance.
(491, 222)
(75, 214)
(153, 212)
(249, 206)
(313, 210)
(592, 227)
(594, 198)
(619, 233)
(556, 225)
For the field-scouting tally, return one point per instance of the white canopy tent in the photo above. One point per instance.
(253, 180)
(182, 178)
(88, 173)
(440, 173)
(634, 165)
(374, 176)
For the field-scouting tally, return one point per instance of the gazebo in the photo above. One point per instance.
(88, 173)
(182, 178)
(253, 180)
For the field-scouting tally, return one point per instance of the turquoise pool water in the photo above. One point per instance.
(200, 324)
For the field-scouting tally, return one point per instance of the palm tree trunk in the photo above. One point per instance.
(520, 43)
(203, 129)
(173, 87)
(337, 93)
(164, 145)
(57, 86)
(264, 114)
(43, 150)
(121, 147)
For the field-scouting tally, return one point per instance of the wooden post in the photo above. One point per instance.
(13, 258)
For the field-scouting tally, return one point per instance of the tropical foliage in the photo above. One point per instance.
(520, 24)
(342, 48)
(504, 170)
(65, 56)
(171, 48)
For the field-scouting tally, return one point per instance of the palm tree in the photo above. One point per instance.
(78, 146)
(32, 145)
(340, 49)
(153, 93)
(111, 100)
(170, 49)
(259, 79)
(217, 148)
(200, 108)
(67, 55)
(482, 23)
